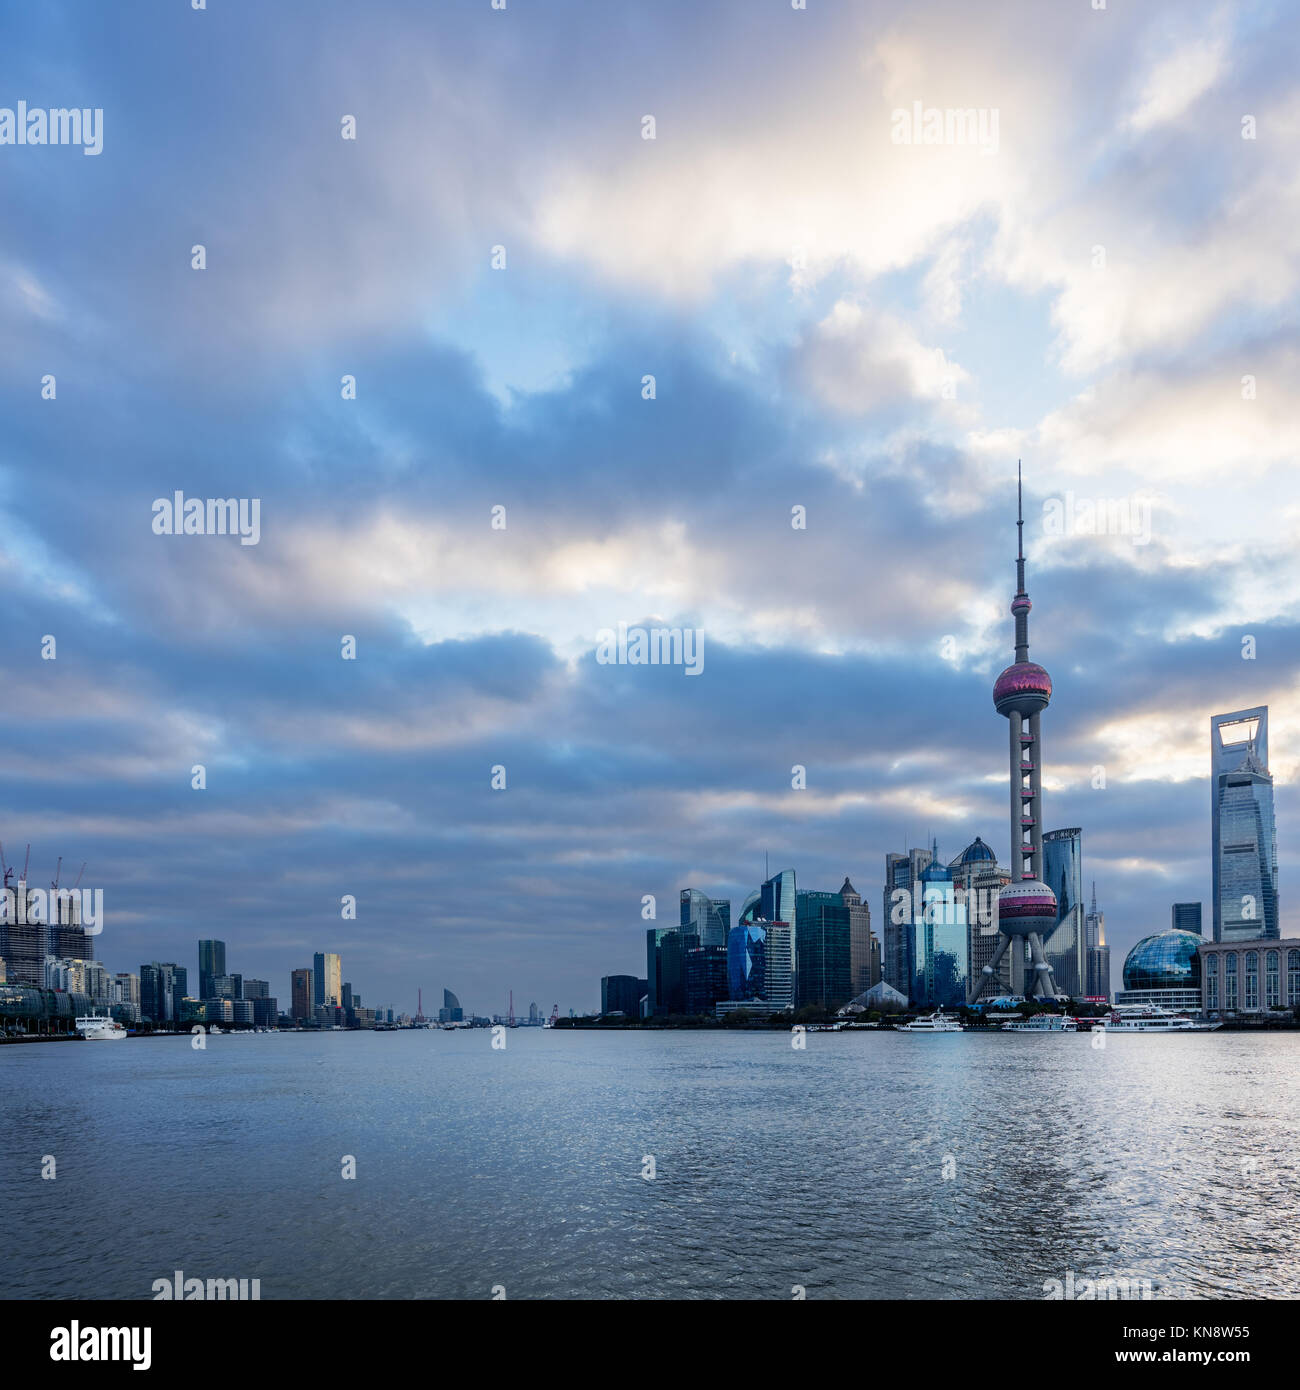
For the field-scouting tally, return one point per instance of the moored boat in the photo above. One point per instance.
(95, 1028)
(1156, 1020)
(937, 1022)
(1042, 1023)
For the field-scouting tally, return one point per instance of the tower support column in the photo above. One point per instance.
(1017, 780)
(1036, 804)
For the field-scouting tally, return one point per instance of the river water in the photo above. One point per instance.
(867, 1165)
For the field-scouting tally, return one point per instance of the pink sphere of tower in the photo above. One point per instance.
(1023, 688)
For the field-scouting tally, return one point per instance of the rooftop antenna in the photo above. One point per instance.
(1020, 513)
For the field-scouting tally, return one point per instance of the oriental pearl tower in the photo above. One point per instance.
(1026, 906)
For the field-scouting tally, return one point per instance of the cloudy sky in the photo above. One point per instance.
(1104, 285)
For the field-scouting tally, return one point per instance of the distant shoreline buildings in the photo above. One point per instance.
(956, 933)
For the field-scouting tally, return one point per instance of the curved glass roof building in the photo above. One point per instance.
(1163, 970)
(1168, 960)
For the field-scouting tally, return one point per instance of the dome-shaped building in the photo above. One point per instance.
(1164, 970)
(977, 852)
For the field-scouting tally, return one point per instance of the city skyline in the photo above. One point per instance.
(701, 910)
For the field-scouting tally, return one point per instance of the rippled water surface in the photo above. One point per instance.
(866, 1166)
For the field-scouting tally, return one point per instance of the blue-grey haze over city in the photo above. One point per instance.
(835, 320)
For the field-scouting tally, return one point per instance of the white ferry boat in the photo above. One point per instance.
(937, 1022)
(1042, 1023)
(1156, 1020)
(96, 1029)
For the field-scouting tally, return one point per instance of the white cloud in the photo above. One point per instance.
(1178, 82)
(857, 360)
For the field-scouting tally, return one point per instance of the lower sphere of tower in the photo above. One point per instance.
(1027, 906)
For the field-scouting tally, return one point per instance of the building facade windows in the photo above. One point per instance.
(1223, 992)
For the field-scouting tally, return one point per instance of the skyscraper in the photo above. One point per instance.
(1027, 906)
(212, 963)
(451, 1011)
(864, 948)
(705, 978)
(940, 943)
(1186, 917)
(776, 906)
(705, 917)
(1094, 926)
(779, 964)
(823, 951)
(747, 961)
(666, 949)
(1066, 947)
(162, 987)
(302, 995)
(327, 976)
(1243, 833)
(902, 875)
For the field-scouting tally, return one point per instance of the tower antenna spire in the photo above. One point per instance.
(1020, 534)
(1020, 511)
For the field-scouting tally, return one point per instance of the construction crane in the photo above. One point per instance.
(58, 869)
(8, 872)
(80, 871)
(26, 862)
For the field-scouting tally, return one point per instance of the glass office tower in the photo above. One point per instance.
(940, 946)
(162, 987)
(1094, 924)
(1186, 917)
(902, 873)
(705, 978)
(747, 961)
(327, 979)
(705, 917)
(212, 962)
(777, 904)
(666, 949)
(779, 961)
(823, 950)
(1066, 946)
(1243, 834)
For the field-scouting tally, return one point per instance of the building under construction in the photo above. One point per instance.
(36, 923)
